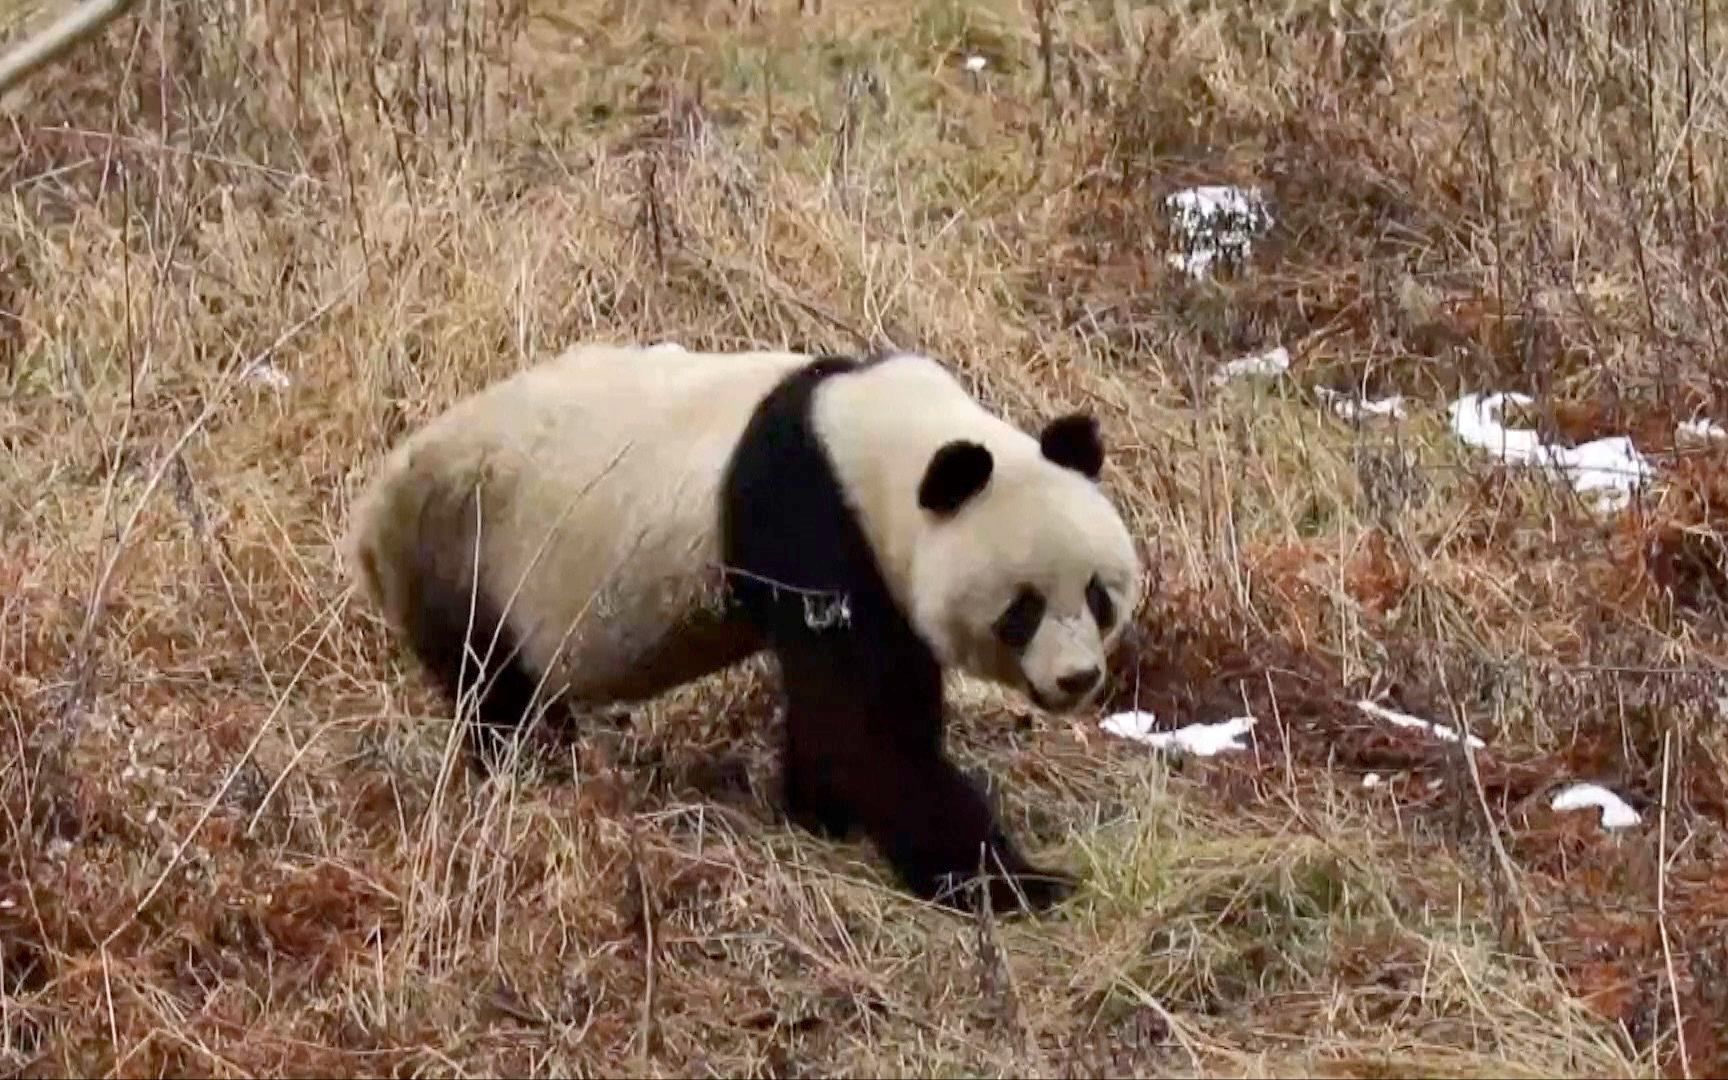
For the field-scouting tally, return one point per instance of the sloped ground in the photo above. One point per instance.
(246, 248)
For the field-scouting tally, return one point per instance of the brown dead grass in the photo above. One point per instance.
(235, 842)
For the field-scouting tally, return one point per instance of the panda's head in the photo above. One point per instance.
(1026, 574)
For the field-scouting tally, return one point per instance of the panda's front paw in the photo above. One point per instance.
(813, 812)
(818, 820)
(1031, 891)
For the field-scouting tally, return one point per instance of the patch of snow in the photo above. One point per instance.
(1476, 421)
(1610, 469)
(1615, 813)
(1704, 430)
(666, 346)
(1272, 362)
(1203, 740)
(1215, 223)
(1407, 721)
(1350, 408)
(976, 63)
(1371, 780)
(268, 374)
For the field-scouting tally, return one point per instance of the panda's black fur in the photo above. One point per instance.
(863, 692)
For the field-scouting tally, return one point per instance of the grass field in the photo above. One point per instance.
(246, 247)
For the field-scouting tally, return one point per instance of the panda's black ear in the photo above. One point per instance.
(956, 472)
(1073, 442)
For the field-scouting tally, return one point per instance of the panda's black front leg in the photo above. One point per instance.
(855, 759)
(938, 830)
(807, 786)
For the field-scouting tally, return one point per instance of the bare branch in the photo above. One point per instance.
(41, 49)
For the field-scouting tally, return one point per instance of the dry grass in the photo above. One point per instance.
(234, 842)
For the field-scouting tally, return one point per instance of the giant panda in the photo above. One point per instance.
(619, 521)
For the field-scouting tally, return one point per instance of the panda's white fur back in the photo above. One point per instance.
(599, 472)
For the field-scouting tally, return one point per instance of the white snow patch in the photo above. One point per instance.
(1704, 430)
(666, 346)
(1406, 720)
(976, 63)
(1350, 408)
(268, 374)
(1213, 223)
(1203, 740)
(1371, 780)
(1273, 362)
(1610, 469)
(1615, 813)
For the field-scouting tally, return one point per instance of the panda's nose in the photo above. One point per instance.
(1076, 683)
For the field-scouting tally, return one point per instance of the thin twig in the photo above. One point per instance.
(1662, 912)
(646, 1030)
(40, 50)
(1510, 872)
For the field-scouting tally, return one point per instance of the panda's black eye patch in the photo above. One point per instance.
(1015, 626)
(1098, 599)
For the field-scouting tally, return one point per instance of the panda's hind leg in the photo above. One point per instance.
(497, 697)
(451, 623)
(475, 662)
